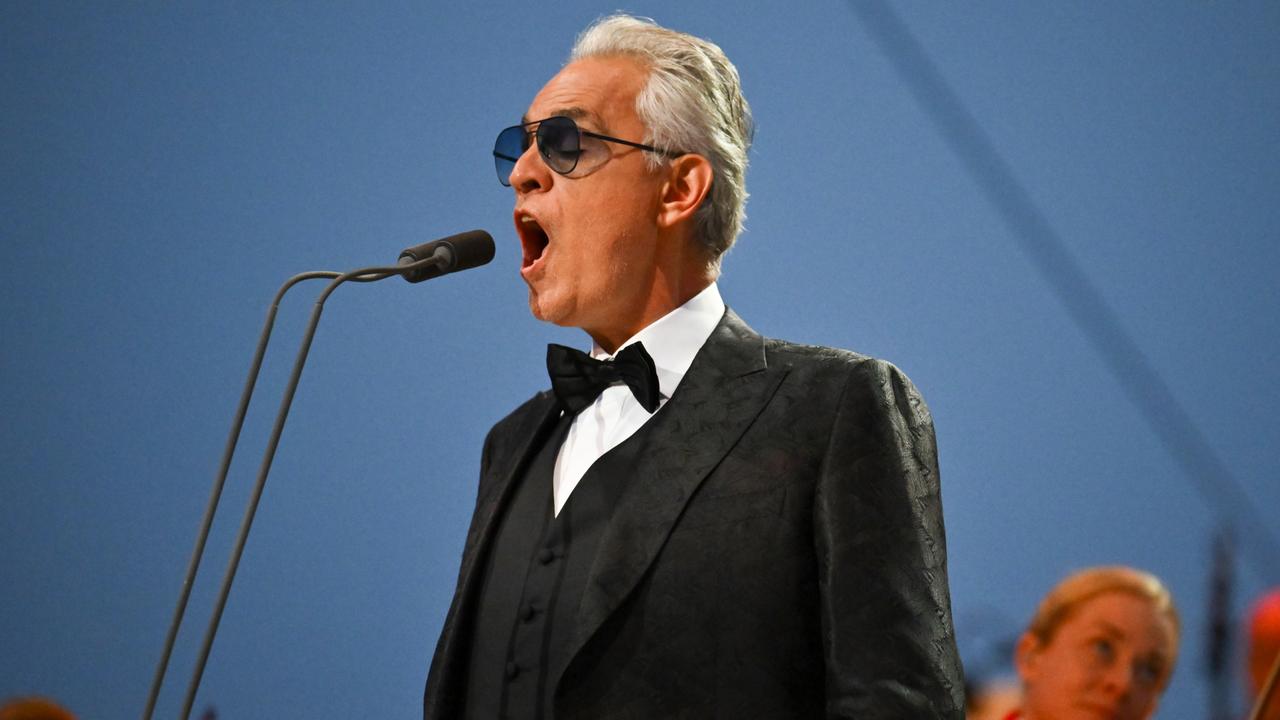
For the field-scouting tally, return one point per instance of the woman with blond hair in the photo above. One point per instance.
(1102, 644)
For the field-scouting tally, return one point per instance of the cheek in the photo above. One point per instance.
(1058, 681)
(614, 246)
(1143, 699)
(608, 237)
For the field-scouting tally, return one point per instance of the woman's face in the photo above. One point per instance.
(1108, 659)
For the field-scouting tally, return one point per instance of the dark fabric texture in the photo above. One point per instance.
(538, 567)
(515, 555)
(777, 551)
(577, 379)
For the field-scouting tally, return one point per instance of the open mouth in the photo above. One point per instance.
(533, 239)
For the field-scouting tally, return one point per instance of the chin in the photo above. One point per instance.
(536, 310)
(545, 309)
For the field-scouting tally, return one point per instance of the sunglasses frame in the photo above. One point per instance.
(499, 158)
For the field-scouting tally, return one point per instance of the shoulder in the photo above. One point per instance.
(858, 390)
(812, 360)
(794, 354)
(851, 369)
(511, 432)
(525, 417)
(825, 375)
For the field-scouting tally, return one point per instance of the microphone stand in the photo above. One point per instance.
(370, 274)
(1218, 653)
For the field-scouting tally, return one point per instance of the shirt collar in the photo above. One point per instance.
(675, 338)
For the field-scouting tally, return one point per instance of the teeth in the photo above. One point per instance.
(526, 219)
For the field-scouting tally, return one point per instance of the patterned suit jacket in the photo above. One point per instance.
(779, 551)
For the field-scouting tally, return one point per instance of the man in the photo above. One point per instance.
(736, 527)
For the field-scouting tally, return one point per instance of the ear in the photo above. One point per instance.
(688, 181)
(1026, 656)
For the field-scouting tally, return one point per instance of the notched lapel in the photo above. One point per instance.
(726, 388)
(506, 465)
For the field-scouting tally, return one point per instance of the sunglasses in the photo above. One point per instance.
(559, 143)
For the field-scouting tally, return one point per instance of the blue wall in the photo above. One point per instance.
(164, 168)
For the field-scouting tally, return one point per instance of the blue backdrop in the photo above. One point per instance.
(164, 168)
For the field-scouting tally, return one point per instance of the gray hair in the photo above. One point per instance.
(692, 103)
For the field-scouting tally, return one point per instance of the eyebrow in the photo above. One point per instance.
(1109, 628)
(573, 112)
(1116, 632)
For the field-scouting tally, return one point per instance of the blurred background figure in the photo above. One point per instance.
(987, 642)
(1264, 647)
(993, 699)
(34, 708)
(1102, 643)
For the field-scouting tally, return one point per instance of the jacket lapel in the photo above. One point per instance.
(530, 426)
(726, 387)
(508, 465)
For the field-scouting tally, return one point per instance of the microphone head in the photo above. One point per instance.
(456, 252)
(471, 249)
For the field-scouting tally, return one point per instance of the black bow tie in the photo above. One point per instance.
(577, 379)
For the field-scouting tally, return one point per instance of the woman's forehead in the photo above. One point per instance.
(1123, 615)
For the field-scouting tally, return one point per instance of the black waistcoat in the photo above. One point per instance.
(534, 578)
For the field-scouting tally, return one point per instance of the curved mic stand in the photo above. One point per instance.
(371, 274)
(216, 494)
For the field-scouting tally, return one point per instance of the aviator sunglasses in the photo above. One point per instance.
(559, 143)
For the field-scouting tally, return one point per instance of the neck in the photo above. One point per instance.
(668, 293)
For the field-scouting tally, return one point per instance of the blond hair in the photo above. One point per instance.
(1080, 587)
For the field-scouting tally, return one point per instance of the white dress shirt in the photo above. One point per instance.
(671, 341)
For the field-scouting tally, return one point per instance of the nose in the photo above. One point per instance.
(1119, 679)
(530, 174)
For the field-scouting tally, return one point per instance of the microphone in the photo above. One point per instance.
(421, 262)
(456, 252)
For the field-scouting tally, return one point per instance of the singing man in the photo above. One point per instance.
(694, 521)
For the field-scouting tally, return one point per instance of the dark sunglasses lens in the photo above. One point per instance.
(558, 141)
(507, 149)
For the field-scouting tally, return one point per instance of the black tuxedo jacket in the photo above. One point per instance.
(778, 553)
